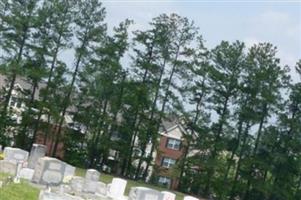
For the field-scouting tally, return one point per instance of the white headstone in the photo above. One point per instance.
(92, 175)
(117, 188)
(101, 189)
(37, 151)
(168, 195)
(94, 187)
(8, 167)
(69, 171)
(15, 155)
(26, 173)
(77, 184)
(49, 171)
(190, 198)
(46, 195)
(143, 193)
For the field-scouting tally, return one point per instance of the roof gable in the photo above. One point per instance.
(176, 132)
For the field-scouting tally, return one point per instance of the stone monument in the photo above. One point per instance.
(15, 155)
(49, 171)
(143, 193)
(117, 188)
(37, 151)
(190, 198)
(168, 195)
(8, 167)
(92, 175)
(69, 171)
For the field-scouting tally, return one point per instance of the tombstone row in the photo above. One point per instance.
(42, 170)
(35, 166)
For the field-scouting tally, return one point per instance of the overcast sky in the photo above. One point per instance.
(278, 22)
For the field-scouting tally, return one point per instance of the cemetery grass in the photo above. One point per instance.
(22, 191)
(25, 191)
(106, 178)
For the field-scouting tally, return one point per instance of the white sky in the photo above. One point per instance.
(278, 22)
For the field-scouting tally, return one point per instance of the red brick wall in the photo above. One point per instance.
(162, 152)
(50, 141)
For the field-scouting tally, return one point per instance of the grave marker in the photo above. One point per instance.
(143, 193)
(49, 171)
(8, 167)
(92, 175)
(15, 155)
(37, 151)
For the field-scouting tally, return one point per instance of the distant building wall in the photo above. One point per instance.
(168, 156)
(50, 141)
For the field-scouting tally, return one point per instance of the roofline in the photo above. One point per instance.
(164, 133)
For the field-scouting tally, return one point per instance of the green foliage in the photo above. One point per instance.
(240, 110)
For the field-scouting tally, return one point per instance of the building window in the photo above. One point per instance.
(165, 181)
(173, 144)
(16, 102)
(168, 162)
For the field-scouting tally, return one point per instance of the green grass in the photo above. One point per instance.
(25, 191)
(106, 178)
(22, 191)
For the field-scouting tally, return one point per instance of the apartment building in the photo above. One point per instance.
(166, 157)
(22, 91)
(171, 150)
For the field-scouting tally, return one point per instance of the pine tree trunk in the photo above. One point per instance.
(244, 140)
(13, 80)
(52, 66)
(136, 127)
(21, 137)
(211, 172)
(234, 150)
(257, 141)
(66, 102)
(198, 110)
(152, 118)
(163, 106)
(138, 170)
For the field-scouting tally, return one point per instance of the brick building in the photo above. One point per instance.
(171, 149)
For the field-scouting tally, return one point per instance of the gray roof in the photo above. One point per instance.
(169, 122)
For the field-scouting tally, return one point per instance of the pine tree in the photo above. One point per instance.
(53, 36)
(180, 33)
(195, 93)
(224, 76)
(268, 79)
(90, 31)
(99, 81)
(16, 32)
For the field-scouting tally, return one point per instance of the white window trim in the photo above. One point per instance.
(172, 144)
(169, 162)
(164, 180)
